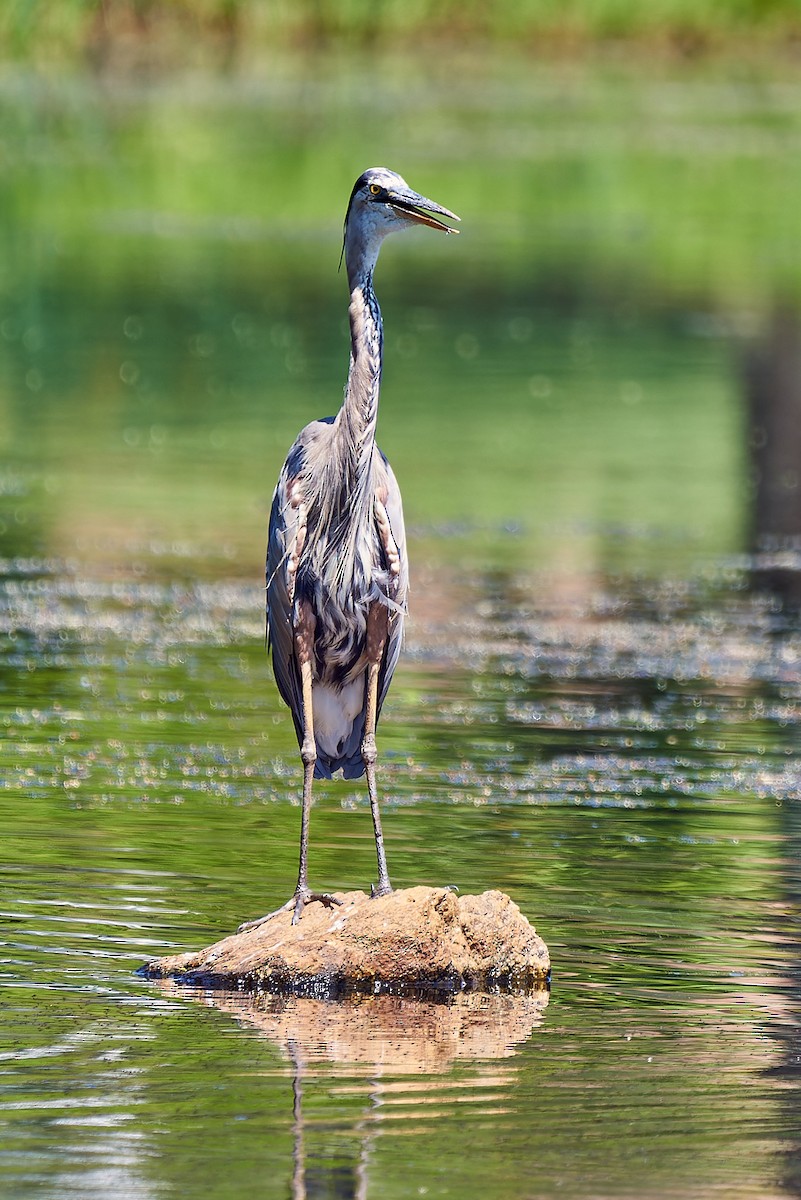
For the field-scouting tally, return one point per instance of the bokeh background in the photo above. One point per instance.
(174, 178)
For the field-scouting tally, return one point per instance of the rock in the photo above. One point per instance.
(421, 938)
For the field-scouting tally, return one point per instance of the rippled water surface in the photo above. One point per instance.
(597, 711)
(623, 761)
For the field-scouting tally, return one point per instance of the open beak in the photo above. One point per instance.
(417, 208)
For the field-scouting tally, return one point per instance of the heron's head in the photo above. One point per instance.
(382, 202)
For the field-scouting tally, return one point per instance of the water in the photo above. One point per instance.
(596, 711)
(646, 820)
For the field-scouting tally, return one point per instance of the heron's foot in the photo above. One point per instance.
(301, 898)
(382, 888)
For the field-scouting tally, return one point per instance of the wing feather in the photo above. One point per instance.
(283, 531)
(394, 507)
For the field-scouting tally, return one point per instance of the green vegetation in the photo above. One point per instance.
(41, 28)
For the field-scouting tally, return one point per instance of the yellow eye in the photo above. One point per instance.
(375, 190)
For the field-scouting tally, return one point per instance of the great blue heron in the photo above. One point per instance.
(337, 574)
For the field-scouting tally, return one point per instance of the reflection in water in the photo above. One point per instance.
(386, 1033)
(393, 1049)
(773, 393)
(93, 1151)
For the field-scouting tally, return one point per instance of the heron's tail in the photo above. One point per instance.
(352, 766)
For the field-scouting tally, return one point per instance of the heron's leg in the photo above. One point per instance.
(308, 754)
(304, 648)
(377, 623)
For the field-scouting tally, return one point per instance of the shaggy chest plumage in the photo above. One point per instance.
(340, 572)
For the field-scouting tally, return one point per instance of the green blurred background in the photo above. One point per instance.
(67, 27)
(173, 184)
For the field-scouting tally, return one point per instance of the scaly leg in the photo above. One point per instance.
(304, 648)
(377, 620)
(308, 752)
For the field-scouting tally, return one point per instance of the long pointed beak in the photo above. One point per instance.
(417, 208)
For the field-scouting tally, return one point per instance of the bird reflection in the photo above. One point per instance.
(319, 1179)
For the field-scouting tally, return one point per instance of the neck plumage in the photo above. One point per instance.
(360, 407)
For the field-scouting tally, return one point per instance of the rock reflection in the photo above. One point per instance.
(393, 1032)
(386, 1049)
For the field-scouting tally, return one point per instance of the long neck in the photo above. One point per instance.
(360, 407)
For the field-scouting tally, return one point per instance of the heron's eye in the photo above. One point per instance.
(375, 190)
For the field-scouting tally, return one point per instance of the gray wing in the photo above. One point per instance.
(283, 530)
(394, 507)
